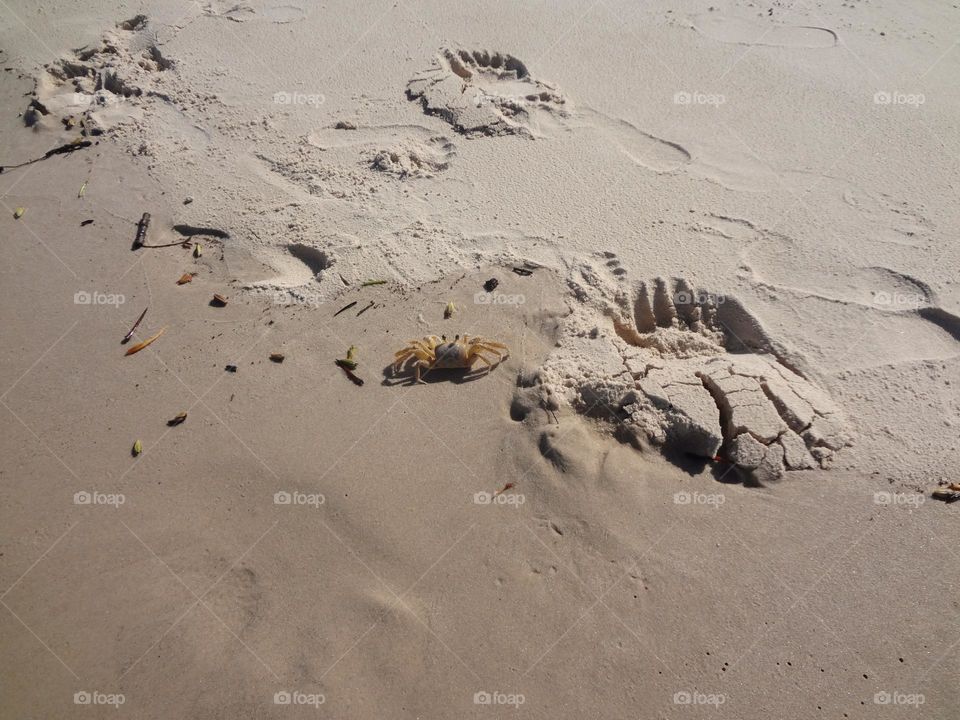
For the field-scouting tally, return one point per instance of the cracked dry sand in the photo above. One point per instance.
(694, 372)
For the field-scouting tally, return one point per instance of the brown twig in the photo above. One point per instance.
(365, 309)
(126, 338)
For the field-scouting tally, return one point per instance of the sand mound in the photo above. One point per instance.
(485, 93)
(98, 86)
(414, 159)
(693, 372)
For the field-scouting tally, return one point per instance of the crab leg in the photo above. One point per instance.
(481, 358)
(416, 366)
(403, 355)
(484, 348)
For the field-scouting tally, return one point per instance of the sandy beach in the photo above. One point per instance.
(680, 280)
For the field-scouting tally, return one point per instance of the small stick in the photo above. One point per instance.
(68, 148)
(126, 338)
(142, 230)
(345, 307)
(365, 309)
(356, 381)
(368, 283)
(182, 243)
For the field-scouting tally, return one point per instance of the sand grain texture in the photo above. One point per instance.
(698, 486)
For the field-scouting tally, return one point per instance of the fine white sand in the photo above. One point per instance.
(731, 387)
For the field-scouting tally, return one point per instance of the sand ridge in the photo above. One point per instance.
(700, 484)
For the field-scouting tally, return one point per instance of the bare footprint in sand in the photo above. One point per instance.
(403, 151)
(696, 373)
(486, 93)
(740, 31)
(641, 147)
(482, 93)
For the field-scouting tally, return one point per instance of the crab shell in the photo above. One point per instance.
(451, 355)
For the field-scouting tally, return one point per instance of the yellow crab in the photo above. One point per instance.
(437, 352)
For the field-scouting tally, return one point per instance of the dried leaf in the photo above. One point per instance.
(277, 357)
(502, 490)
(141, 345)
(197, 250)
(219, 300)
(344, 365)
(948, 495)
(83, 189)
(137, 448)
(177, 420)
(185, 278)
(448, 312)
(18, 213)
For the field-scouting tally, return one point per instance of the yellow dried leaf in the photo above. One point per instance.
(137, 448)
(141, 345)
(197, 250)
(18, 213)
